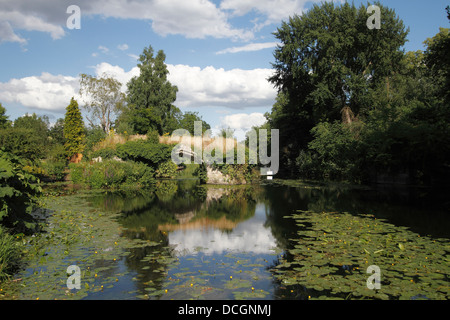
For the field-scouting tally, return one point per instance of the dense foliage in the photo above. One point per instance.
(10, 254)
(151, 96)
(353, 105)
(18, 192)
(148, 152)
(73, 129)
(112, 174)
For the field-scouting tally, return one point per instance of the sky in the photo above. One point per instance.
(219, 52)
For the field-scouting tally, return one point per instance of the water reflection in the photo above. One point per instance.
(210, 230)
(247, 236)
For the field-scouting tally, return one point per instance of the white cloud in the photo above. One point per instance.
(249, 47)
(103, 49)
(135, 57)
(47, 91)
(7, 33)
(209, 86)
(116, 72)
(271, 11)
(122, 47)
(243, 121)
(18, 20)
(197, 87)
(193, 19)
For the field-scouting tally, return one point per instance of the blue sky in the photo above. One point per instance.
(219, 52)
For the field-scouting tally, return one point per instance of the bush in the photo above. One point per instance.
(10, 254)
(144, 151)
(106, 153)
(94, 136)
(112, 174)
(23, 143)
(167, 169)
(201, 173)
(18, 192)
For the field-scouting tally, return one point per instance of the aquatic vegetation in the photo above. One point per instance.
(333, 250)
(172, 244)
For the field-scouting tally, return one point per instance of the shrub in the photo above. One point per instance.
(22, 142)
(10, 254)
(18, 192)
(106, 153)
(167, 169)
(201, 173)
(145, 151)
(112, 174)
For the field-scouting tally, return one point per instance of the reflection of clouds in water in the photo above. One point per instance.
(248, 236)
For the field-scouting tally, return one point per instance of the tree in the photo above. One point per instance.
(28, 138)
(4, 122)
(326, 65)
(56, 132)
(24, 143)
(39, 124)
(74, 132)
(150, 95)
(104, 100)
(437, 58)
(188, 119)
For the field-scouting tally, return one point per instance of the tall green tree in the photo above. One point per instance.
(151, 96)
(74, 132)
(327, 64)
(437, 58)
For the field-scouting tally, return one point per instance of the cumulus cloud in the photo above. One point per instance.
(19, 20)
(193, 19)
(243, 121)
(235, 88)
(116, 72)
(197, 87)
(46, 92)
(249, 47)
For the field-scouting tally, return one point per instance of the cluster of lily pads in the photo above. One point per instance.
(74, 234)
(332, 253)
(200, 276)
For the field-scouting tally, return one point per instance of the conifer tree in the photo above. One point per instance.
(73, 129)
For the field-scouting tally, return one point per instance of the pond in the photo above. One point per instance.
(277, 240)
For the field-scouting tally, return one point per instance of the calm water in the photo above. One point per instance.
(223, 242)
(186, 241)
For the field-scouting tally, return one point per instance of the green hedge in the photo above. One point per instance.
(112, 174)
(144, 151)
